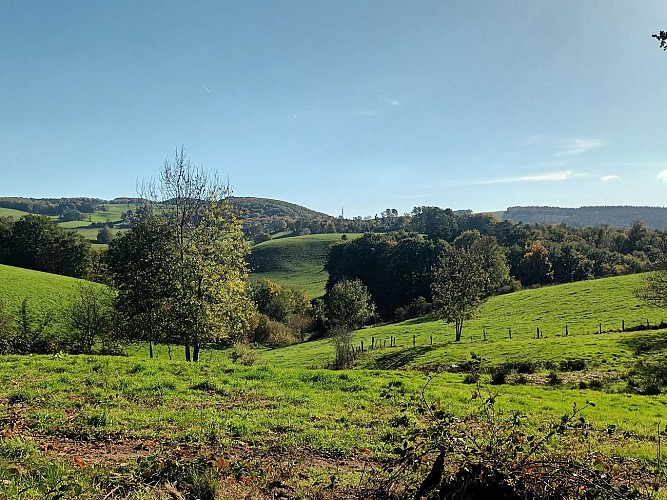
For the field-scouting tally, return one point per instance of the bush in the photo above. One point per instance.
(553, 379)
(498, 376)
(573, 365)
(505, 458)
(243, 355)
(272, 333)
(344, 349)
(261, 238)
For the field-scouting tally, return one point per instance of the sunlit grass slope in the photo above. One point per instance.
(10, 212)
(44, 291)
(581, 306)
(296, 261)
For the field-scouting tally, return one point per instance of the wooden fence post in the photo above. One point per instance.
(372, 343)
(510, 330)
(600, 327)
(566, 332)
(538, 332)
(623, 325)
(484, 335)
(431, 339)
(362, 346)
(414, 340)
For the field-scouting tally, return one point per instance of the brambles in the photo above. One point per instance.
(489, 454)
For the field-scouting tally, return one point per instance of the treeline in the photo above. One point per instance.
(616, 216)
(398, 267)
(52, 206)
(35, 242)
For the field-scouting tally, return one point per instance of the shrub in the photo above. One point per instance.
(272, 333)
(498, 376)
(505, 458)
(572, 365)
(553, 378)
(344, 349)
(243, 355)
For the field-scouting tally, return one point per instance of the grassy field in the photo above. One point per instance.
(9, 212)
(44, 291)
(125, 422)
(581, 306)
(296, 261)
(133, 427)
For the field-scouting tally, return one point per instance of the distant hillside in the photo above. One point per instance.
(621, 216)
(264, 208)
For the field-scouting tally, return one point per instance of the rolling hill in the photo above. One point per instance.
(46, 293)
(584, 307)
(296, 261)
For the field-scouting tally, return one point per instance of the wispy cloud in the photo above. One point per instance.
(610, 178)
(578, 146)
(662, 176)
(559, 176)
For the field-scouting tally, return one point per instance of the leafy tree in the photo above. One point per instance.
(90, 316)
(261, 238)
(211, 300)
(348, 305)
(436, 223)
(493, 257)
(535, 267)
(459, 286)
(104, 235)
(141, 263)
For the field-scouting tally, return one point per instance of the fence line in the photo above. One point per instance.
(380, 342)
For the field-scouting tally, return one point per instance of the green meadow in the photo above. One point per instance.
(295, 261)
(582, 306)
(10, 212)
(89, 426)
(44, 291)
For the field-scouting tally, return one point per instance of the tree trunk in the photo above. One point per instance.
(459, 329)
(187, 348)
(195, 351)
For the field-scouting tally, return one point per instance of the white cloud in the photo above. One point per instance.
(577, 146)
(563, 175)
(550, 177)
(662, 176)
(610, 178)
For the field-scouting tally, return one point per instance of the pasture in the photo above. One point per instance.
(295, 261)
(132, 427)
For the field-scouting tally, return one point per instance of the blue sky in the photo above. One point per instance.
(358, 104)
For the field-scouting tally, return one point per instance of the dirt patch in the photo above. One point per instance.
(99, 453)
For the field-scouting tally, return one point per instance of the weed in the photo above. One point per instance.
(553, 378)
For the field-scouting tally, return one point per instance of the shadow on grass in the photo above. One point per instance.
(420, 320)
(400, 358)
(647, 342)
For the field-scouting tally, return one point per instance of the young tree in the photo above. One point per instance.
(210, 300)
(90, 317)
(459, 286)
(348, 305)
(140, 263)
(104, 235)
